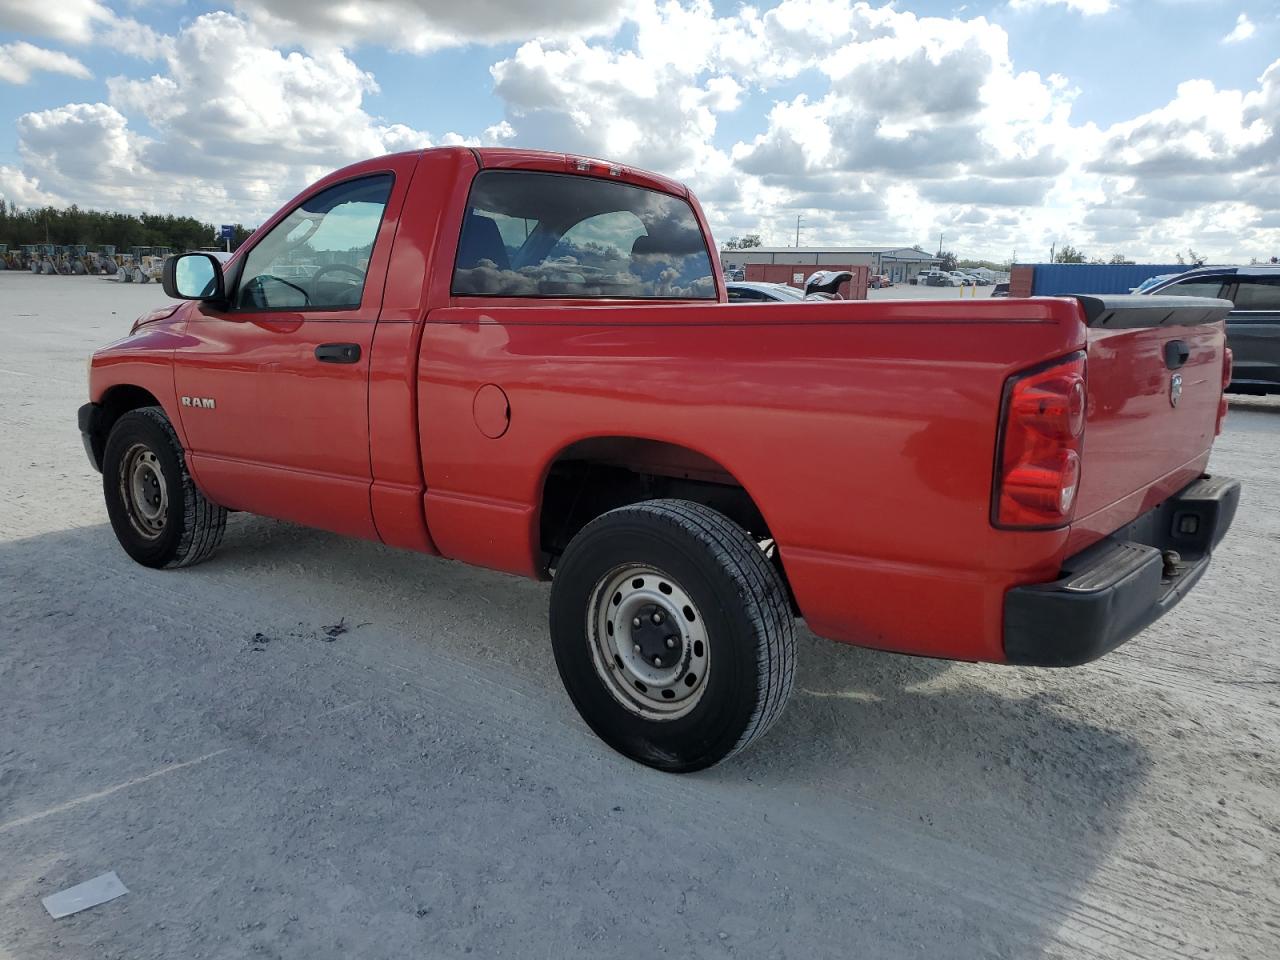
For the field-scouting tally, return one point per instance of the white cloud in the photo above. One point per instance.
(18, 61)
(1243, 30)
(927, 110)
(83, 143)
(19, 190)
(1202, 170)
(138, 40)
(1202, 131)
(914, 125)
(908, 125)
(1089, 8)
(85, 22)
(236, 127)
(69, 20)
(423, 25)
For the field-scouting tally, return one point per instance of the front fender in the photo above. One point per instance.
(122, 374)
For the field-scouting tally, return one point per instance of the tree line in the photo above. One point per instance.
(94, 228)
(1069, 254)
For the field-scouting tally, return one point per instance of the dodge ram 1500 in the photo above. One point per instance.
(526, 361)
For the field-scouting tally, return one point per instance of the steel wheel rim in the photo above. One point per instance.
(638, 606)
(143, 491)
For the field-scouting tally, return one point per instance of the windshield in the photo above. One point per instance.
(1150, 282)
(531, 234)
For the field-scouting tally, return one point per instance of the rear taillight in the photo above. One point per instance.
(1038, 453)
(1228, 361)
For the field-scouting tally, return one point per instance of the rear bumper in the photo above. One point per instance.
(1122, 584)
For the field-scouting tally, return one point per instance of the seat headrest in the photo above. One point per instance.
(481, 240)
(643, 245)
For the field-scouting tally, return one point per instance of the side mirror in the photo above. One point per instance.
(194, 276)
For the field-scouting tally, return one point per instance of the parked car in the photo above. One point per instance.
(939, 278)
(579, 403)
(879, 280)
(753, 291)
(822, 285)
(1253, 325)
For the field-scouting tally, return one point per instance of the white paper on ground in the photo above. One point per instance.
(84, 895)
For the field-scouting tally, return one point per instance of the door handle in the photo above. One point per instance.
(338, 353)
(1176, 353)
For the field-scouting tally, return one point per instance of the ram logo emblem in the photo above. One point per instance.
(203, 403)
(1175, 389)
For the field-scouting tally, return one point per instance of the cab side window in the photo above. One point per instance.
(316, 257)
(1258, 295)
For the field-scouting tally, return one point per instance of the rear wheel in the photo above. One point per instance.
(672, 634)
(158, 515)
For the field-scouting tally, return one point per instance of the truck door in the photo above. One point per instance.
(1253, 331)
(273, 384)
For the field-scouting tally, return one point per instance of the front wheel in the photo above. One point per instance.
(159, 516)
(672, 633)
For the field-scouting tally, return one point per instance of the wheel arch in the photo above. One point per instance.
(115, 402)
(594, 475)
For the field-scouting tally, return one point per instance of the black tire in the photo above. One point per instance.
(186, 528)
(739, 599)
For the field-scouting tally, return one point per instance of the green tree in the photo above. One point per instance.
(751, 240)
(948, 259)
(1068, 254)
(95, 228)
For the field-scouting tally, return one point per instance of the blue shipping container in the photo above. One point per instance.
(1057, 279)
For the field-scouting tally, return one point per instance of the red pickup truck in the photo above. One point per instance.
(526, 361)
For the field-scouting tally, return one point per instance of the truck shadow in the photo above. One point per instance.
(1023, 746)
(1005, 778)
(1241, 402)
(958, 773)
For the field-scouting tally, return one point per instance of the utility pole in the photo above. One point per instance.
(798, 222)
(940, 236)
(1052, 247)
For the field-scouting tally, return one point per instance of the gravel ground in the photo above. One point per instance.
(419, 785)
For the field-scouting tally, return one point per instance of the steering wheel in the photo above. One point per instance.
(330, 268)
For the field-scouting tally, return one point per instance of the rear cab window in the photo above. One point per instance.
(537, 234)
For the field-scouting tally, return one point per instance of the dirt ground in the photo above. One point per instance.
(419, 785)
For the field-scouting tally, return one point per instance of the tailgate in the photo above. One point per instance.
(1155, 383)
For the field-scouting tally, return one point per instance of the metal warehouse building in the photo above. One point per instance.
(900, 264)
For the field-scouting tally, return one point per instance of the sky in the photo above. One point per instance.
(1133, 127)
